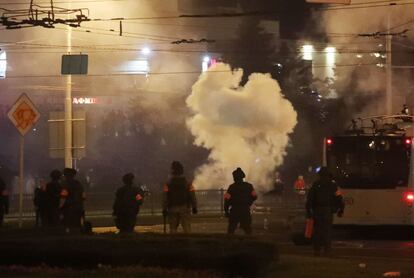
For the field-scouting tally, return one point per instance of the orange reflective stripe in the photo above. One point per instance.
(227, 196)
(254, 194)
(64, 193)
(138, 197)
(165, 188)
(191, 188)
(338, 193)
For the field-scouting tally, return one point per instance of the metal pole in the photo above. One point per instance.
(388, 48)
(68, 110)
(221, 200)
(21, 181)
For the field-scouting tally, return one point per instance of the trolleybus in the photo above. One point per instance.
(373, 166)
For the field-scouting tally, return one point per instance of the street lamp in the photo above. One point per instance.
(146, 51)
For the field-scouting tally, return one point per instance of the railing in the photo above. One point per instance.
(209, 201)
(100, 203)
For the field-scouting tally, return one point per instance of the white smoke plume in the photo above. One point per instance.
(245, 127)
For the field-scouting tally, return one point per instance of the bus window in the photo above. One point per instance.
(369, 162)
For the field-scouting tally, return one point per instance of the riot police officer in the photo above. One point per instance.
(128, 199)
(323, 200)
(4, 201)
(52, 196)
(73, 196)
(179, 199)
(237, 201)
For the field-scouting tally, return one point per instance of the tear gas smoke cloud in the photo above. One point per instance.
(370, 80)
(241, 126)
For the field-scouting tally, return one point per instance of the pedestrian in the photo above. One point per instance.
(4, 201)
(179, 199)
(299, 184)
(52, 192)
(128, 200)
(237, 202)
(323, 200)
(39, 202)
(73, 196)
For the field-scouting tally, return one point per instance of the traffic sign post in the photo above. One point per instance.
(23, 115)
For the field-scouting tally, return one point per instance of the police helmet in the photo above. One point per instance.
(238, 174)
(69, 172)
(55, 174)
(128, 178)
(177, 168)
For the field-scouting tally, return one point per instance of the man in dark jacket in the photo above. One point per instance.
(128, 199)
(73, 196)
(39, 202)
(237, 201)
(4, 201)
(323, 200)
(52, 196)
(179, 199)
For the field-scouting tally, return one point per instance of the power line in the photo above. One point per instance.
(132, 73)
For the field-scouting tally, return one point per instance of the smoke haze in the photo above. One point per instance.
(342, 26)
(245, 127)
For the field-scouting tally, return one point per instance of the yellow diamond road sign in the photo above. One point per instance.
(23, 114)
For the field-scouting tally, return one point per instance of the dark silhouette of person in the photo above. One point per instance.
(179, 199)
(73, 196)
(323, 200)
(4, 201)
(39, 202)
(128, 200)
(237, 202)
(52, 197)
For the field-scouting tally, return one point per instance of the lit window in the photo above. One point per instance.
(3, 64)
(307, 52)
(137, 67)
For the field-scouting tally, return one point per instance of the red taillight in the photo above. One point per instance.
(408, 141)
(409, 197)
(329, 141)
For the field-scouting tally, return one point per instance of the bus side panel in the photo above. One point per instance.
(376, 207)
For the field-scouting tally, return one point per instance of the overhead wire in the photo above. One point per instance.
(134, 73)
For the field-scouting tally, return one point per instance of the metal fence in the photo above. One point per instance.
(100, 203)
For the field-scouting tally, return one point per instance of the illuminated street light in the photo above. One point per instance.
(330, 55)
(3, 64)
(204, 65)
(146, 51)
(307, 52)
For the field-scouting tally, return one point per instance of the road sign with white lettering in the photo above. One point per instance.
(23, 114)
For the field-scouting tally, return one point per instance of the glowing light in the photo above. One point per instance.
(377, 55)
(359, 56)
(146, 51)
(409, 197)
(307, 52)
(137, 67)
(330, 55)
(205, 63)
(84, 100)
(3, 64)
(329, 141)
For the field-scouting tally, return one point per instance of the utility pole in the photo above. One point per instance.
(68, 108)
(388, 69)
